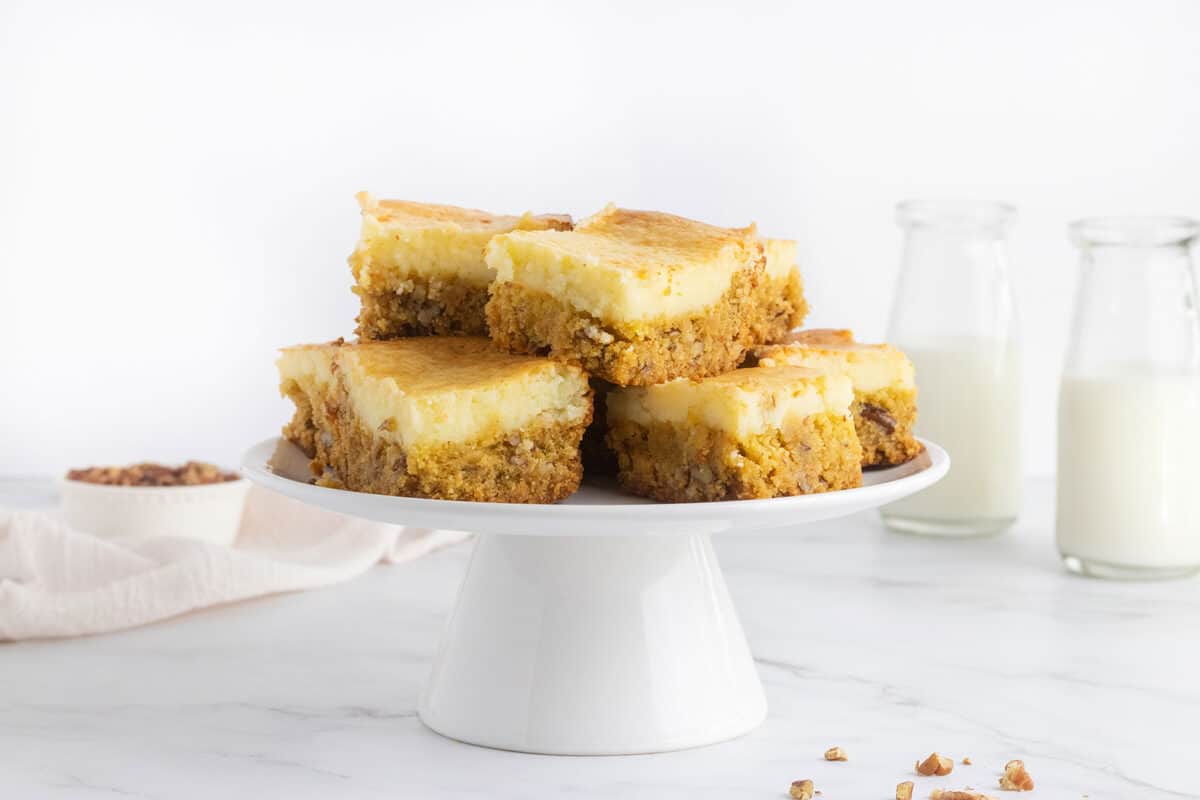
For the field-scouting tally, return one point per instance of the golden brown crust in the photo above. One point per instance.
(524, 320)
(884, 420)
(423, 307)
(654, 240)
(783, 307)
(538, 464)
(422, 215)
(692, 463)
(301, 430)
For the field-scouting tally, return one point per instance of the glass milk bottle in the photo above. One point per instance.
(1129, 403)
(955, 316)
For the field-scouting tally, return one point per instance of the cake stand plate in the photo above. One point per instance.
(600, 625)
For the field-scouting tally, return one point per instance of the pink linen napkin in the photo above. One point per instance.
(55, 581)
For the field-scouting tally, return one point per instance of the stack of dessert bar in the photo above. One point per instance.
(500, 356)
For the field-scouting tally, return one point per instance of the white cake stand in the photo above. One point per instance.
(598, 626)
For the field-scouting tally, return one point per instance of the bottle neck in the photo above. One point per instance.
(1135, 310)
(954, 284)
(955, 251)
(1136, 262)
(954, 288)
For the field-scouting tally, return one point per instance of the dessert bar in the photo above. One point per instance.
(634, 297)
(419, 270)
(751, 433)
(885, 390)
(781, 292)
(443, 417)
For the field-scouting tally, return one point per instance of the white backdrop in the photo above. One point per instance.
(176, 184)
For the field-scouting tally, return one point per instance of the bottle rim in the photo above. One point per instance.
(955, 212)
(1136, 231)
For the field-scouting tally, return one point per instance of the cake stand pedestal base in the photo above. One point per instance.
(593, 645)
(600, 625)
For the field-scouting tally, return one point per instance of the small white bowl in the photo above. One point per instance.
(210, 512)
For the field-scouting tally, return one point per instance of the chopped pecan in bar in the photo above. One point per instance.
(879, 416)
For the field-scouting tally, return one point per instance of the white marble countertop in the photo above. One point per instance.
(888, 645)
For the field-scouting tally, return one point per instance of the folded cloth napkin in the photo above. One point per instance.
(55, 581)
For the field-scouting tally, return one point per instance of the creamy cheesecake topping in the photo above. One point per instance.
(743, 402)
(781, 257)
(627, 265)
(870, 367)
(430, 390)
(401, 239)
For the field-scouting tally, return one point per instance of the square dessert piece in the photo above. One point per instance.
(419, 269)
(444, 417)
(885, 389)
(781, 292)
(634, 297)
(757, 432)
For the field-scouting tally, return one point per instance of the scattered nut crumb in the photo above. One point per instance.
(935, 765)
(801, 790)
(1015, 778)
(835, 754)
(904, 790)
(957, 794)
(966, 761)
(193, 473)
